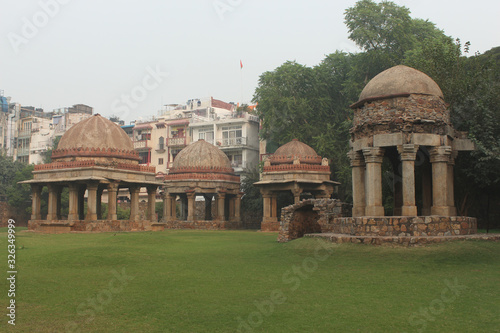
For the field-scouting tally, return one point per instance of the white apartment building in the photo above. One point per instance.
(159, 140)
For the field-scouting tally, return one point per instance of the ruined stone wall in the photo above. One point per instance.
(309, 216)
(415, 113)
(405, 226)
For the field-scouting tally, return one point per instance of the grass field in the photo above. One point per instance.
(192, 281)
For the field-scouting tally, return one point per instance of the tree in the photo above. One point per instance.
(387, 27)
(48, 154)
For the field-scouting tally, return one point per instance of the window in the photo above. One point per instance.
(206, 134)
(161, 143)
(231, 135)
(160, 161)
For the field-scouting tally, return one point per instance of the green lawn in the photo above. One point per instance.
(193, 281)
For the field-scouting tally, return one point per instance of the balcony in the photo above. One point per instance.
(238, 166)
(180, 141)
(141, 145)
(232, 142)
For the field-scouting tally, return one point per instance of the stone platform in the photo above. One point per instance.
(401, 240)
(402, 226)
(63, 226)
(197, 225)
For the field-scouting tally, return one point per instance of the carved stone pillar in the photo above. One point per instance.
(266, 197)
(373, 191)
(221, 201)
(191, 206)
(52, 203)
(237, 207)
(36, 197)
(91, 202)
(134, 202)
(151, 203)
(112, 196)
(440, 157)
(296, 191)
(358, 183)
(73, 201)
(408, 153)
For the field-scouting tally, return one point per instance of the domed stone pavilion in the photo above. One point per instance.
(202, 169)
(93, 156)
(401, 117)
(295, 167)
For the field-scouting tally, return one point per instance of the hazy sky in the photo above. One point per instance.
(128, 57)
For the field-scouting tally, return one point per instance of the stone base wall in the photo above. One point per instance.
(198, 225)
(88, 226)
(269, 226)
(309, 216)
(403, 226)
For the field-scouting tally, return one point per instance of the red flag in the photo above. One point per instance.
(241, 64)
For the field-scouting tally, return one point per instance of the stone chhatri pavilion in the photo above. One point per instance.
(93, 156)
(401, 116)
(201, 169)
(294, 167)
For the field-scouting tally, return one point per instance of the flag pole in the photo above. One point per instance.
(241, 82)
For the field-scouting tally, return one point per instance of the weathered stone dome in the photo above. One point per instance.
(295, 150)
(400, 99)
(96, 137)
(201, 156)
(399, 81)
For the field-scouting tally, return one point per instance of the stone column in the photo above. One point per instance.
(451, 187)
(266, 206)
(191, 206)
(358, 183)
(221, 200)
(112, 194)
(373, 159)
(208, 206)
(169, 207)
(36, 197)
(237, 207)
(91, 202)
(274, 206)
(134, 202)
(73, 202)
(296, 191)
(440, 157)
(52, 203)
(152, 203)
(408, 154)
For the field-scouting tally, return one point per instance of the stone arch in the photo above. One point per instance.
(309, 216)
